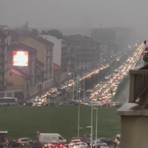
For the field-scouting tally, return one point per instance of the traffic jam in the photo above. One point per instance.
(102, 93)
(54, 140)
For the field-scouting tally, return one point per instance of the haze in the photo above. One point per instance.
(75, 13)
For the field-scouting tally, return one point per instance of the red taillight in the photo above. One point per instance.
(18, 140)
(61, 145)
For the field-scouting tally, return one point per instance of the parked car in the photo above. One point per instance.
(109, 142)
(98, 143)
(13, 143)
(80, 145)
(24, 140)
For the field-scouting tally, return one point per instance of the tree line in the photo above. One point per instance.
(53, 32)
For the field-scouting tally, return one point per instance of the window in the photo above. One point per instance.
(60, 138)
(1, 94)
(9, 94)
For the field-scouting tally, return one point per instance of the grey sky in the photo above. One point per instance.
(74, 13)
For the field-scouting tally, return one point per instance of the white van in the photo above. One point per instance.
(51, 138)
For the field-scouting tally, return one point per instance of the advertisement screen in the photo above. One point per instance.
(20, 58)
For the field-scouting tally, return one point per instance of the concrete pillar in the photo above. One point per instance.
(134, 125)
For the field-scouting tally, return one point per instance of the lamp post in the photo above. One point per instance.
(91, 126)
(84, 95)
(79, 115)
(96, 124)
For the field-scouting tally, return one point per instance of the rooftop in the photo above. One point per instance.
(56, 67)
(22, 46)
(41, 39)
(19, 72)
(78, 37)
(3, 26)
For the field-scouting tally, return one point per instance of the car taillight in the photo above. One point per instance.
(61, 145)
(52, 146)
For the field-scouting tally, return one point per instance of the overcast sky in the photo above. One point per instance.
(74, 13)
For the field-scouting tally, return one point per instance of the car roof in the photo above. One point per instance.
(3, 132)
(25, 138)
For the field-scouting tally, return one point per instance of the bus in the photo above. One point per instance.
(8, 101)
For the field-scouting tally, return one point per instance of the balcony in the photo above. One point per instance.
(134, 113)
(138, 84)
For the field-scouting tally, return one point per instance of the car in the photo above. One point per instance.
(24, 140)
(107, 141)
(13, 143)
(80, 145)
(3, 139)
(98, 143)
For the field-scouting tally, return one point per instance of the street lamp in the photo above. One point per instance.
(96, 124)
(91, 126)
(79, 113)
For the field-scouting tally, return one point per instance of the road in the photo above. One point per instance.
(123, 98)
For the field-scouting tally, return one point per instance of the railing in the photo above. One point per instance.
(138, 84)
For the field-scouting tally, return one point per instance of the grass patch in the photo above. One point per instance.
(25, 121)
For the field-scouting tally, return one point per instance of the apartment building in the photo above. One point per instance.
(20, 73)
(83, 53)
(3, 58)
(60, 56)
(45, 57)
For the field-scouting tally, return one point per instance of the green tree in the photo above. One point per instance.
(34, 32)
(56, 33)
(43, 32)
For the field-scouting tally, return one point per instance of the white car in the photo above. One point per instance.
(80, 145)
(98, 143)
(24, 140)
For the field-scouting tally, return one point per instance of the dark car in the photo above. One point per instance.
(109, 142)
(13, 143)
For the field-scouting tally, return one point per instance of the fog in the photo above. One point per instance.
(75, 13)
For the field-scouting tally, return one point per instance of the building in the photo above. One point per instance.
(108, 40)
(45, 57)
(56, 49)
(134, 113)
(18, 78)
(83, 53)
(57, 74)
(3, 59)
(61, 53)
(115, 39)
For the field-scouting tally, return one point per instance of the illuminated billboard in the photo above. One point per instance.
(20, 58)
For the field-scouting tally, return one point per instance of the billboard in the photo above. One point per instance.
(20, 58)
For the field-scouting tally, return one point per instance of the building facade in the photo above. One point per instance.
(60, 55)
(18, 79)
(45, 56)
(83, 53)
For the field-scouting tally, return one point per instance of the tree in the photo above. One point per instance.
(43, 32)
(34, 32)
(55, 33)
